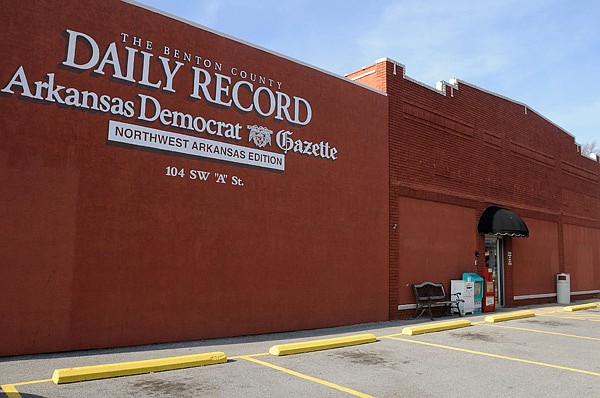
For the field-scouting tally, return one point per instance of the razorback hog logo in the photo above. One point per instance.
(261, 136)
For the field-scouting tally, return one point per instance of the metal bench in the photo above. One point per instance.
(429, 294)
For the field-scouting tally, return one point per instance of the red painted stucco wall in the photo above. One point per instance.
(582, 257)
(436, 243)
(100, 247)
(535, 259)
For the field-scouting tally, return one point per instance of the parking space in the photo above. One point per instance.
(517, 345)
(551, 354)
(236, 378)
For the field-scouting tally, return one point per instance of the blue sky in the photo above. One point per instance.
(544, 53)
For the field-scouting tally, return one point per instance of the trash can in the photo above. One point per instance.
(563, 288)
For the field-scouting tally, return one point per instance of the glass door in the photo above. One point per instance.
(493, 260)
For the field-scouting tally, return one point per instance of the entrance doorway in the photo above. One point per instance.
(494, 260)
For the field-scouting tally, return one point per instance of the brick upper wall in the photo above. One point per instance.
(469, 143)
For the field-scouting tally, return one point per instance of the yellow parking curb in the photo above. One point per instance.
(95, 372)
(580, 307)
(435, 327)
(316, 345)
(509, 316)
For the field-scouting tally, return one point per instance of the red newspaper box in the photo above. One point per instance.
(489, 295)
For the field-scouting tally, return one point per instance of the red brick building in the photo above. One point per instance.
(163, 182)
(459, 149)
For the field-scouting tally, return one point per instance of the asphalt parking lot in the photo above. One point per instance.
(553, 354)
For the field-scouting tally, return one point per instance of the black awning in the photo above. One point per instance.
(499, 221)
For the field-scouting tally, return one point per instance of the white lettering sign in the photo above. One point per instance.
(130, 60)
(141, 136)
(215, 87)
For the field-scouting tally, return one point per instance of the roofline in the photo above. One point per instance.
(527, 107)
(454, 83)
(440, 87)
(197, 25)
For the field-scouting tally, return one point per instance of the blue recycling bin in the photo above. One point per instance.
(478, 294)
